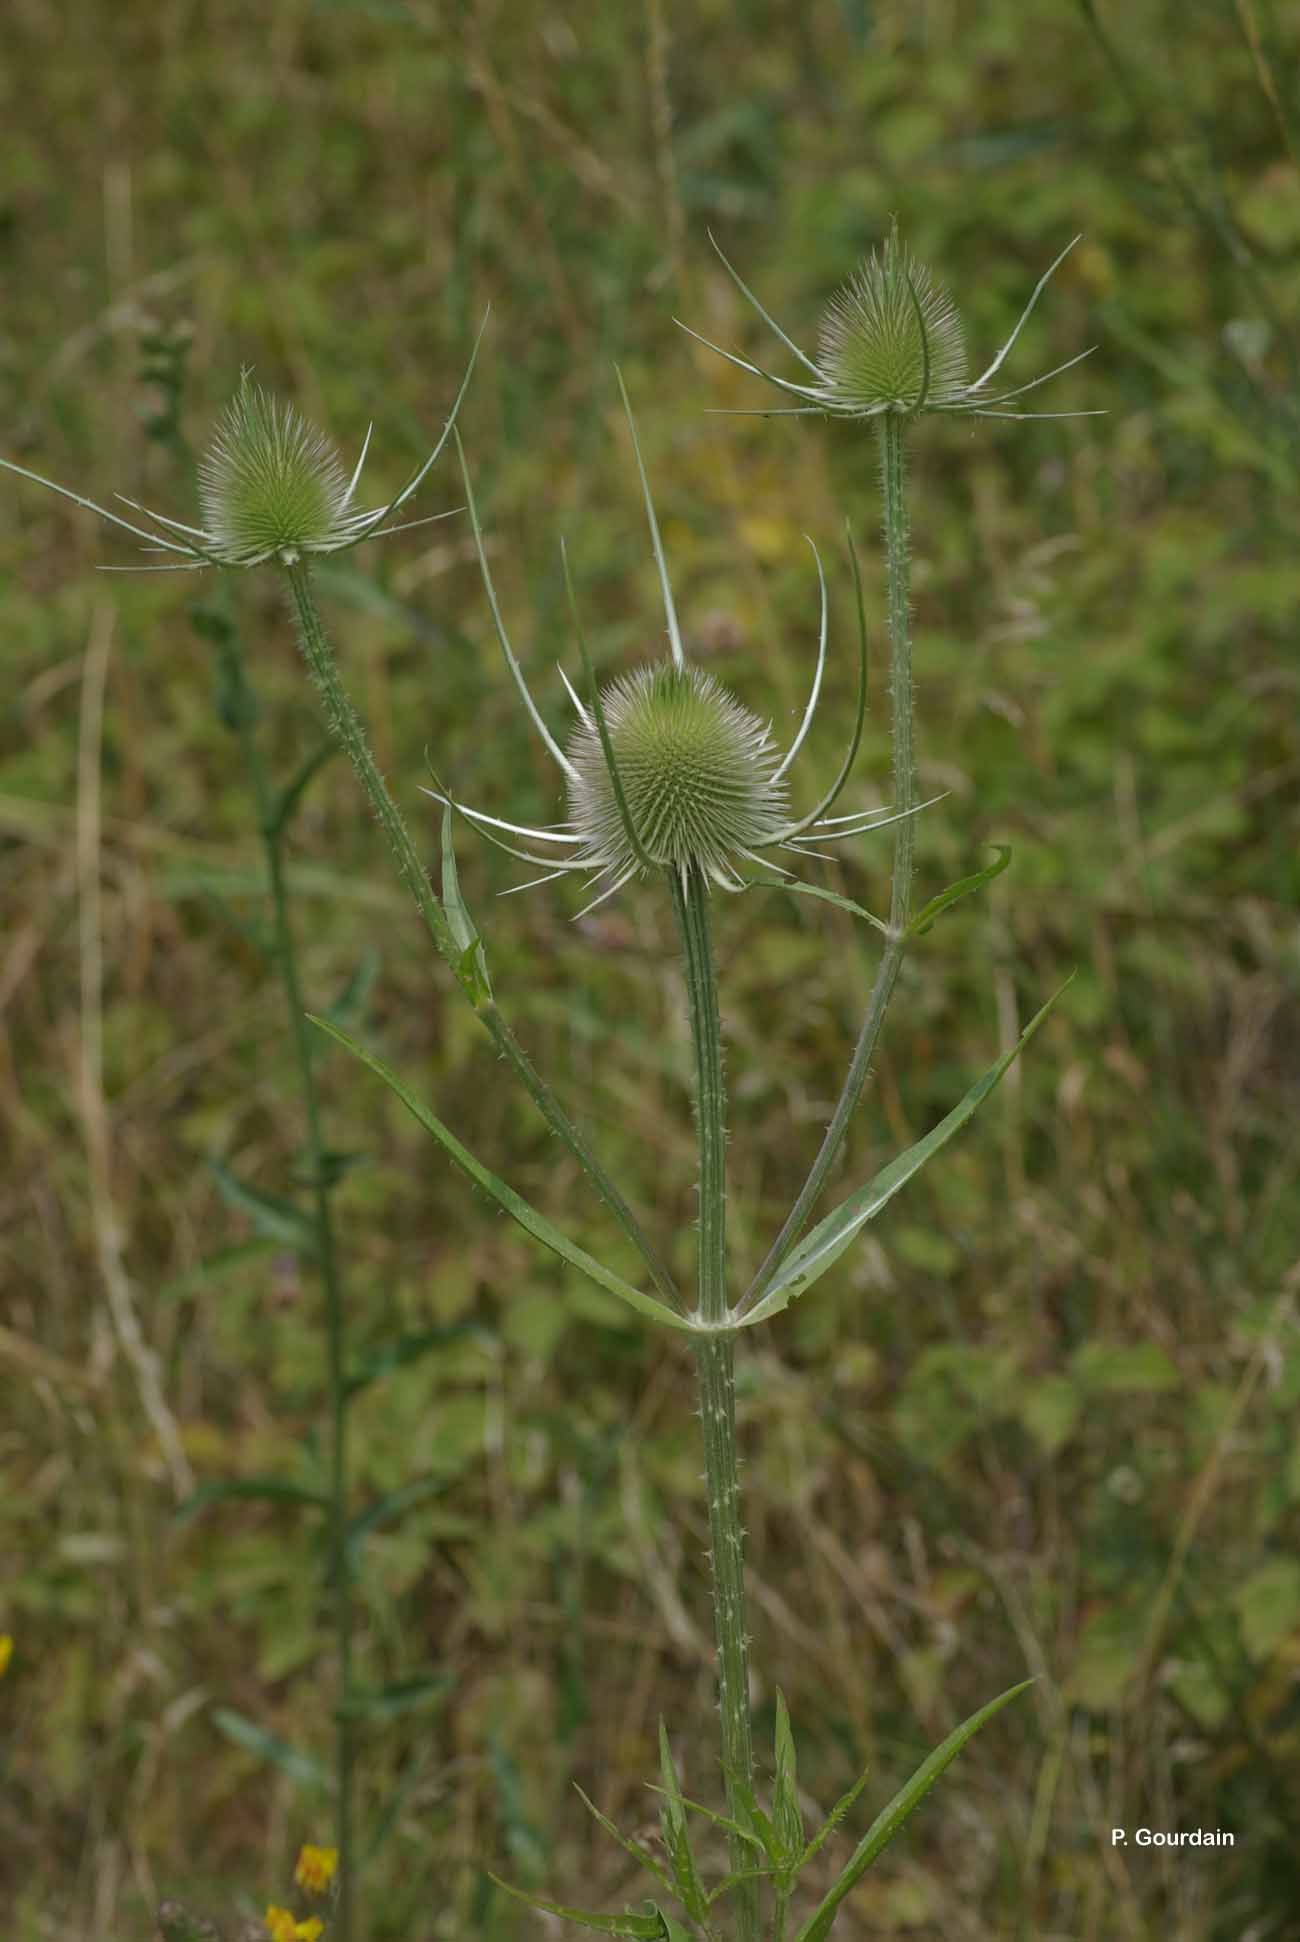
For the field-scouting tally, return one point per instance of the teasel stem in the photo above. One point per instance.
(715, 1366)
(345, 723)
(893, 471)
(271, 824)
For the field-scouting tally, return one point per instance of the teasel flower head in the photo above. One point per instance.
(272, 488)
(665, 770)
(891, 340)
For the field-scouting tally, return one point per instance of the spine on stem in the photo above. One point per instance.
(715, 1354)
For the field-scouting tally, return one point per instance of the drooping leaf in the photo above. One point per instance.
(271, 1490)
(506, 1198)
(891, 1818)
(302, 1768)
(274, 1218)
(472, 968)
(651, 1927)
(924, 918)
(820, 1250)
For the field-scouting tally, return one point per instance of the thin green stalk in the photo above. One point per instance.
(898, 561)
(715, 1366)
(271, 829)
(345, 723)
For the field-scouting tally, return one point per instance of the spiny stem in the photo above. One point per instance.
(715, 1367)
(893, 472)
(271, 831)
(345, 723)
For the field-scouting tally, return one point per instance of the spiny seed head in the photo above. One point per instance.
(270, 484)
(697, 771)
(879, 332)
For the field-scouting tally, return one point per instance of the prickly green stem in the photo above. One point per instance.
(271, 827)
(715, 1367)
(893, 472)
(345, 723)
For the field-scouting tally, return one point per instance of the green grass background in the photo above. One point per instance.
(1043, 1417)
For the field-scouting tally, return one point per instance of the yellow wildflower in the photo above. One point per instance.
(6, 1652)
(316, 1868)
(281, 1927)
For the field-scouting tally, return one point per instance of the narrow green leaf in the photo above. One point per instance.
(472, 968)
(677, 1838)
(671, 1931)
(828, 1240)
(649, 1926)
(924, 918)
(276, 1219)
(638, 1852)
(273, 1490)
(302, 1768)
(389, 1506)
(719, 1820)
(891, 1818)
(398, 1697)
(742, 1874)
(292, 793)
(405, 1349)
(798, 889)
(832, 1821)
(786, 1816)
(217, 1265)
(349, 1007)
(506, 1198)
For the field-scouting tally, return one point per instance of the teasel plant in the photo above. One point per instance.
(274, 492)
(670, 778)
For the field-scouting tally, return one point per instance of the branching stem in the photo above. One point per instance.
(898, 562)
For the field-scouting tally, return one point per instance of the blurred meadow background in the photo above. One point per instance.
(1042, 1419)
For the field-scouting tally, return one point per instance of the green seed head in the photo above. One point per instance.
(697, 771)
(891, 339)
(270, 485)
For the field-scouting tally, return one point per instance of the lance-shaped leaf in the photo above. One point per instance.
(786, 1817)
(302, 1768)
(398, 1697)
(274, 1218)
(829, 1239)
(687, 1885)
(472, 967)
(797, 889)
(506, 1198)
(925, 917)
(891, 1818)
(292, 793)
(270, 1490)
(392, 1504)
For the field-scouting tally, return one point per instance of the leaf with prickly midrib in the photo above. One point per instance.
(652, 1927)
(506, 1198)
(829, 1239)
(471, 967)
(891, 1818)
